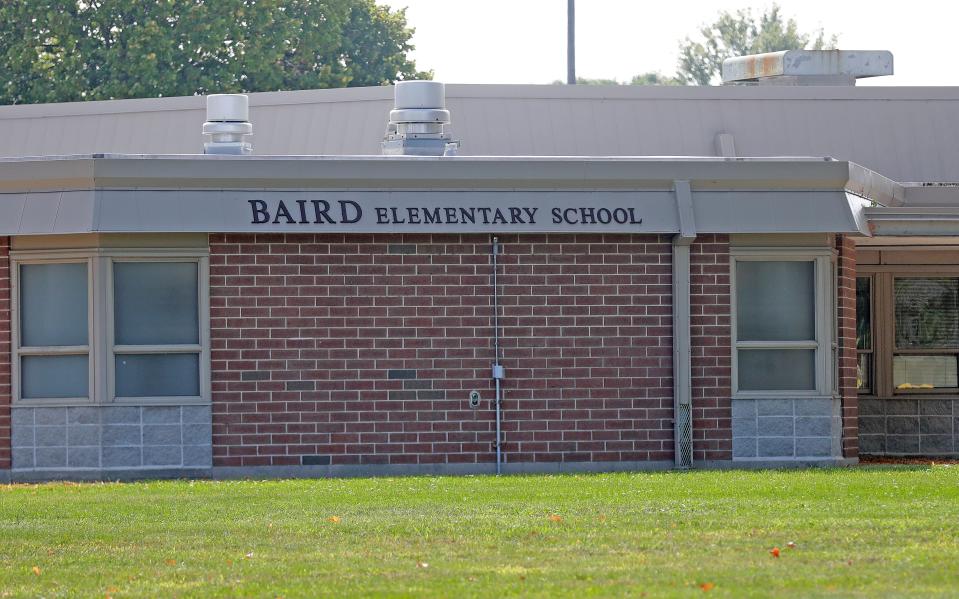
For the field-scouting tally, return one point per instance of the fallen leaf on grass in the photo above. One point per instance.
(422, 565)
(707, 586)
(602, 517)
(171, 562)
(334, 519)
(35, 570)
(774, 552)
(555, 518)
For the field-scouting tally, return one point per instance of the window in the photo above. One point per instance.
(782, 330)
(907, 333)
(52, 339)
(145, 315)
(156, 332)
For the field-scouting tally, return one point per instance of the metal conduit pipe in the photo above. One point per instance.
(499, 373)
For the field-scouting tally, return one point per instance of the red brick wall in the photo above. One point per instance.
(360, 349)
(711, 346)
(846, 301)
(4, 353)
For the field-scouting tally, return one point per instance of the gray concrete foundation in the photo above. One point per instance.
(76, 439)
(904, 427)
(767, 430)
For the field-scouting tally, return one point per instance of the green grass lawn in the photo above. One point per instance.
(868, 532)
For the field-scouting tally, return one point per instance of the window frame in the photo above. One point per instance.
(823, 260)
(200, 349)
(18, 259)
(872, 351)
(884, 333)
(100, 333)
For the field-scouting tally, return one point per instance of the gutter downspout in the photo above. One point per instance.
(682, 356)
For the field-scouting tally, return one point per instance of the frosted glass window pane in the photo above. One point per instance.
(155, 303)
(775, 301)
(777, 369)
(924, 372)
(157, 375)
(927, 312)
(53, 304)
(54, 376)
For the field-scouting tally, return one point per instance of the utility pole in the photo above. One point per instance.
(571, 42)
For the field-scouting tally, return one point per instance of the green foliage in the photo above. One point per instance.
(858, 532)
(733, 34)
(655, 78)
(740, 34)
(585, 81)
(68, 50)
(651, 78)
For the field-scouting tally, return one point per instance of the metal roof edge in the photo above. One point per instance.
(468, 172)
(869, 184)
(300, 172)
(917, 220)
(460, 91)
(918, 194)
(60, 174)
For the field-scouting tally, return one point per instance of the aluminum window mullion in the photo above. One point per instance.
(55, 350)
(157, 349)
(777, 344)
(823, 325)
(884, 337)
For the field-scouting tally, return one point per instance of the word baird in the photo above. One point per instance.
(348, 212)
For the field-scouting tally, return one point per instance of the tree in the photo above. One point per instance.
(651, 78)
(67, 50)
(739, 34)
(655, 78)
(733, 34)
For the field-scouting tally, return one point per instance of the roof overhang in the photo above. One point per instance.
(109, 193)
(932, 221)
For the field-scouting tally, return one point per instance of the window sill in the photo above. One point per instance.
(920, 396)
(782, 395)
(72, 403)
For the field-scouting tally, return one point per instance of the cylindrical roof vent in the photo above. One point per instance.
(418, 121)
(227, 124)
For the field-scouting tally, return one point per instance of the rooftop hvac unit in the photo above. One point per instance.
(227, 124)
(418, 121)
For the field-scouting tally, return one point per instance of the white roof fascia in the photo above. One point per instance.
(216, 194)
(931, 221)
